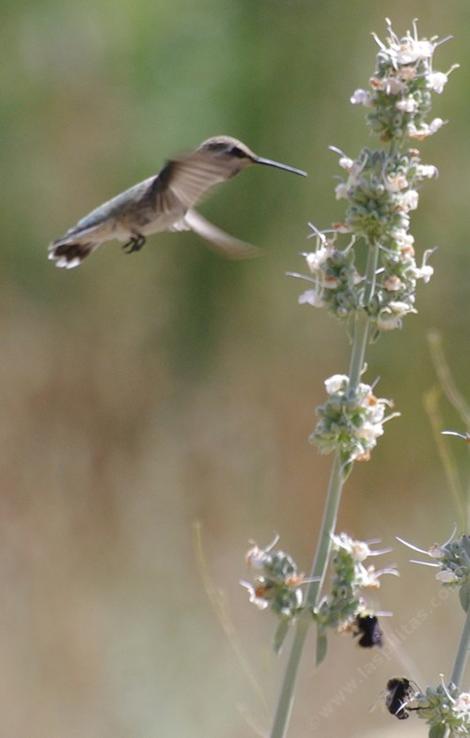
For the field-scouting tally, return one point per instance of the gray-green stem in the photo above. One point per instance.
(361, 321)
(333, 499)
(462, 654)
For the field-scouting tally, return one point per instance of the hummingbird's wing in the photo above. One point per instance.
(228, 246)
(185, 180)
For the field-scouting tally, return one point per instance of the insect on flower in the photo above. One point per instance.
(399, 693)
(367, 626)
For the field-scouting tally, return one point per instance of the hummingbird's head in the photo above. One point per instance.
(238, 155)
(230, 150)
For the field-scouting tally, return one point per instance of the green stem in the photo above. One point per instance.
(462, 653)
(333, 499)
(286, 697)
(361, 335)
(361, 321)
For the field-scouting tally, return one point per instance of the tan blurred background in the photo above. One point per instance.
(140, 394)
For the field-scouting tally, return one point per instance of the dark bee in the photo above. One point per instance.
(367, 626)
(399, 692)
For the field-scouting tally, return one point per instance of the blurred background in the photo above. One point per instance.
(142, 394)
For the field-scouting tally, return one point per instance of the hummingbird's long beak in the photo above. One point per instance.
(278, 165)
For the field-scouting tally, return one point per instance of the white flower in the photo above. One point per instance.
(361, 97)
(396, 182)
(260, 602)
(404, 220)
(435, 125)
(436, 551)
(341, 191)
(378, 416)
(341, 540)
(335, 383)
(407, 105)
(462, 704)
(359, 550)
(425, 130)
(393, 283)
(412, 50)
(407, 73)
(255, 557)
(418, 133)
(426, 171)
(447, 576)
(425, 271)
(370, 431)
(409, 200)
(436, 81)
(316, 259)
(401, 307)
(390, 85)
(346, 163)
(390, 317)
(393, 86)
(370, 576)
(311, 297)
(402, 238)
(364, 392)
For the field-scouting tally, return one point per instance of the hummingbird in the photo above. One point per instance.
(165, 202)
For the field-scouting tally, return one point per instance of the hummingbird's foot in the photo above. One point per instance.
(135, 244)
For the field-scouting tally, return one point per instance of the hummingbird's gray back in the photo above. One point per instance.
(137, 204)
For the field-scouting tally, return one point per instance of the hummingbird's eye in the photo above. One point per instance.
(236, 151)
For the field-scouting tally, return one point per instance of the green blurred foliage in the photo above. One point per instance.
(141, 393)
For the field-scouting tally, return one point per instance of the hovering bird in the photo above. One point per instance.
(165, 202)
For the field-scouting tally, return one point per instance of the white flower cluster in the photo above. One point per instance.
(381, 191)
(278, 582)
(401, 87)
(344, 608)
(333, 278)
(359, 551)
(445, 709)
(462, 705)
(350, 424)
(452, 558)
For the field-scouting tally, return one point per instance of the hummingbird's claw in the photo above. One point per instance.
(135, 244)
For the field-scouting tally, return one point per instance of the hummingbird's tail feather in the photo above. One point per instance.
(67, 254)
(228, 246)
